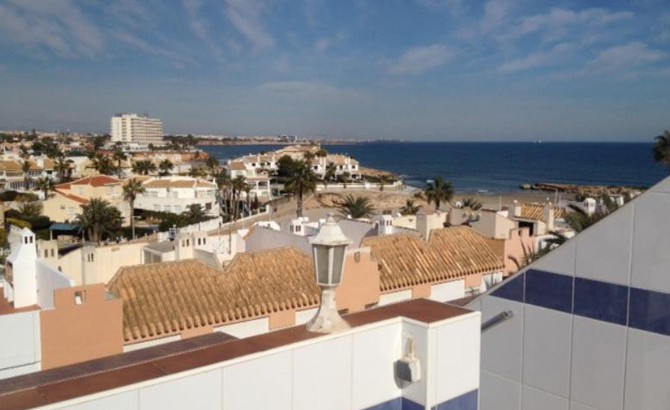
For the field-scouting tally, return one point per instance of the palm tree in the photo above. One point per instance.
(238, 185)
(472, 203)
(144, 167)
(45, 184)
(30, 209)
(98, 218)
(196, 172)
(344, 178)
(331, 171)
(103, 164)
(64, 168)
(223, 182)
(301, 182)
(130, 191)
(662, 149)
(356, 207)
(212, 165)
(195, 213)
(410, 208)
(165, 167)
(439, 191)
(119, 156)
(25, 167)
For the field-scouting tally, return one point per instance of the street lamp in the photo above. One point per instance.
(329, 247)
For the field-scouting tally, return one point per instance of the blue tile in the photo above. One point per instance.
(649, 311)
(549, 290)
(408, 404)
(467, 401)
(601, 301)
(511, 289)
(395, 404)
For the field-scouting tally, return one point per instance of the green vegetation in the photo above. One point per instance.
(130, 192)
(472, 203)
(166, 220)
(302, 181)
(99, 220)
(439, 191)
(662, 149)
(9, 196)
(356, 207)
(410, 208)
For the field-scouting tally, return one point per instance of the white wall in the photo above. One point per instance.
(395, 297)
(444, 292)
(48, 280)
(20, 348)
(247, 328)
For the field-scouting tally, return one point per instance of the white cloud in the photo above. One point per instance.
(452, 5)
(322, 44)
(558, 54)
(496, 15)
(178, 60)
(57, 26)
(246, 15)
(634, 54)
(199, 27)
(422, 59)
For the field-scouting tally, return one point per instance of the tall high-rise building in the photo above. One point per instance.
(135, 128)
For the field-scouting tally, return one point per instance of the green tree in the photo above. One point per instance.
(356, 207)
(45, 184)
(662, 149)
(472, 203)
(25, 167)
(195, 213)
(212, 165)
(197, 172)
(439, 191)
(63, 167)
(99, 218)
(238, 184)
(30, 209)
(344, 178)
(131, 190)
(165, 167)
(301, 182)
(119, 156)
(410, 208)
(223, 183)
(286, 166)
(103, 164)
(144, 167)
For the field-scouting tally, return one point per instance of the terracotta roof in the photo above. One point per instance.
(49, 163)
(157, 183)
(34, 166)
(10, 166)
(407, 260)
(536, 212)
(166, 298)
(97, 181)
(75, 198)
(237, 166)
(180, 183)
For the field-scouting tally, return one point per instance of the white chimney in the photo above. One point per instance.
(385, 225)
(22, 263)
(516, 208)
(549, 216)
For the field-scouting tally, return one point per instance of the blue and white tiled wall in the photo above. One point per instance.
(591, 325)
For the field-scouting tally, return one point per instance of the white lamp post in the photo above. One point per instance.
(329, 247)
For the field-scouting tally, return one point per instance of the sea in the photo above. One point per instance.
(495, 167)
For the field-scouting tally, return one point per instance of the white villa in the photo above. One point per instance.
(175, 194)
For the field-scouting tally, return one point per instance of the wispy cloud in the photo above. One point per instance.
(557, 55)
(496, 15)
(634, 54)
(308, 89)
(177, 59)
(453, 6)
(200, 28)
(246, 16)
(419, 60)
(57, 26)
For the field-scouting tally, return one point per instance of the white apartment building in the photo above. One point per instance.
(175, 194)
(135, 128)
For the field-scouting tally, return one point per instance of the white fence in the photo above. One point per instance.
(213, 224)
(358, 186)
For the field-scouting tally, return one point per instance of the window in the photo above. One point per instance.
(46, 253)
(357, 257)
(90, 257)
(79, 297)
(53, 253)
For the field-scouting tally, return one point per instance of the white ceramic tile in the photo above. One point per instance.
(662, 186)
(505, 337)
(535, 399)
(579, 406)
(126, 400)
(263, 383)
(202, 391)
(598, 357)
(499, 393)
(322, 375)
(23, 347)
(546, 350)
(651, 233)
(647, 371)
(457, 359)
(374, 353)
(560, 260)
(422, 336)
(603, 250)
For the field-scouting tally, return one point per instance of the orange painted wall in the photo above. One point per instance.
(278, 320)
(360, 285)
(73, 333)
(421, 291)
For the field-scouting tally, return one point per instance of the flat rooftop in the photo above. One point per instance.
(64, 383)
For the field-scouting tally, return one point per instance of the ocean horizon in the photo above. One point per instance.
(495, 167)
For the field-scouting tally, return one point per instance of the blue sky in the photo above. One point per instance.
(414, 69)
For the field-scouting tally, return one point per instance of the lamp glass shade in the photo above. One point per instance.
(322, 264)
(338, 263)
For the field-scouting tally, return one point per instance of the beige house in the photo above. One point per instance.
(68, 197)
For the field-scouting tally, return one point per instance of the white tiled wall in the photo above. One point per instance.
(561, 260)
(533, 398)
(603, 251)
(21, 350)
(651, 257)
(448, 291)
(322, 375)
(202, 391)
(423, 340)
(457, 361)
(499, 393)
(648, 364)
(502, 345)
(546, 350)
(371, 352)
(598, 355)
(127, 400)
(270, 375)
